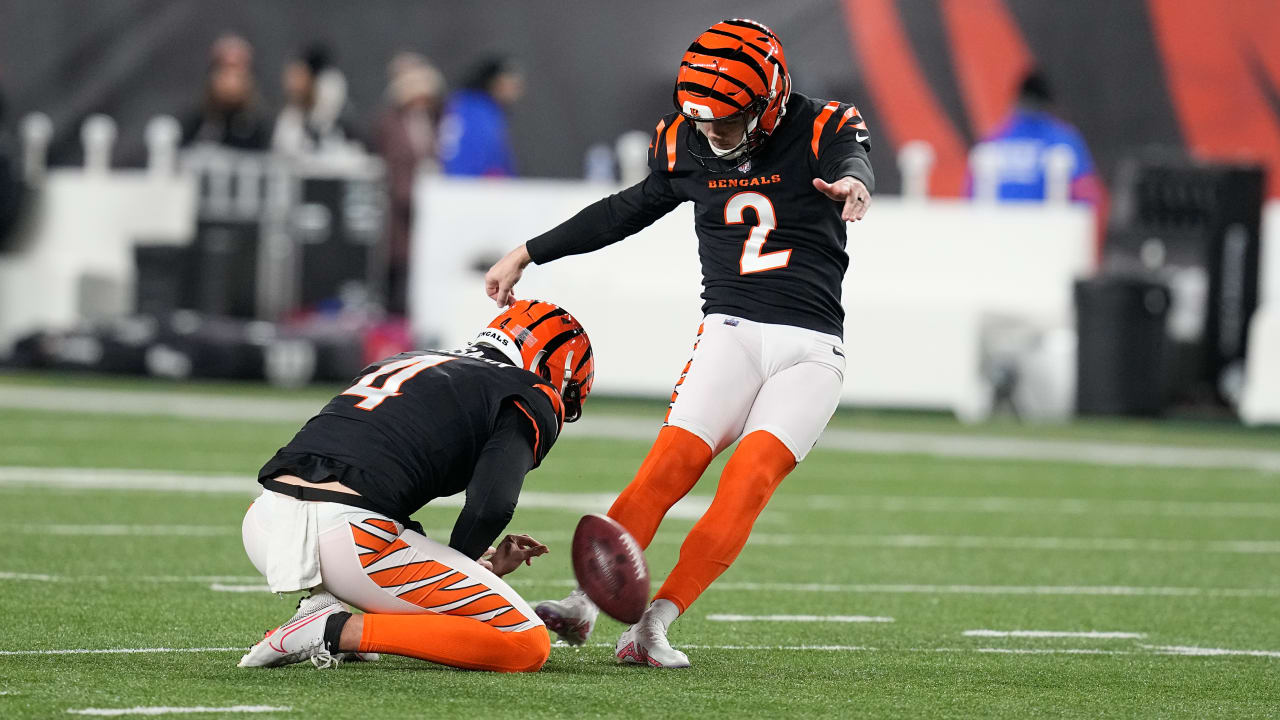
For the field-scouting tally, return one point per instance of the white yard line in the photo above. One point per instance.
(33, 577)
(1024, 505)
(39, 577)
(1048, 651)
(121, 479)
(1186, 651)
(111, 530)
(1094, 590)
(984, 542)
(221, 587)
(1097, 590)
(166, 710)
(1208, 652)
(800, 618)
(1092, 634)
(892, 589)
(959, 445)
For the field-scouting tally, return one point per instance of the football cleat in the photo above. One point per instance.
(320, 599)
(645, 643)
(301, 638)
(572, 618)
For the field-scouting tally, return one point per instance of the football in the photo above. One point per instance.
(610, 568)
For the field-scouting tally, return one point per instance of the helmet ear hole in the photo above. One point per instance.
(572, 398)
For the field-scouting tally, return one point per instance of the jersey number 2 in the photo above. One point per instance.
(402, 369)
(753, 259)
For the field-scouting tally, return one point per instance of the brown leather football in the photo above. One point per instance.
(610, 568)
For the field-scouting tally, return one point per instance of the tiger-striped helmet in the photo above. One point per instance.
(545, 339)
(735, 68)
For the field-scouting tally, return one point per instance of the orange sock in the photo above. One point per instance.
(671, 469)
(456, 641)
(754, 471)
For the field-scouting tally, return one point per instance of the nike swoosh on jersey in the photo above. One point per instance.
(861, 137)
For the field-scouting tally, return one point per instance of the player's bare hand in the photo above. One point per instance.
(851, 192)
(512, 551)
(501, 279)
(486, 558)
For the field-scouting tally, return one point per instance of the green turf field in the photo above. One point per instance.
(1178, 567)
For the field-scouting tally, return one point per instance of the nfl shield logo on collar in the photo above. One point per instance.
(745, 167)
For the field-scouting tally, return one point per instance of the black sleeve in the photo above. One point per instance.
(495, 485)
(607, 221)
(854, 163)
(845, 147)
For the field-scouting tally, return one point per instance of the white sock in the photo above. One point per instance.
(581, 595)
(663, 612)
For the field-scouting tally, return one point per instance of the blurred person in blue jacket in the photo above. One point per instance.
(1023, 139)
(473, 134)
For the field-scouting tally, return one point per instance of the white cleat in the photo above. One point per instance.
(317, 600)
(572, 618)
(302, 638)
(645, 643)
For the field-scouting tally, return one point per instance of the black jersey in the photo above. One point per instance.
(413, 427)
(772, 247)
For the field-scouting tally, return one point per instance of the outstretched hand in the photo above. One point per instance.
(851, 191)
(500, 281)
(510, 553)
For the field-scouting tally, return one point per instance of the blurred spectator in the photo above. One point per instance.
(1023, 139)
(406, 139)
(11, 184)
(228, 115)
(473, 134)
(315, 99)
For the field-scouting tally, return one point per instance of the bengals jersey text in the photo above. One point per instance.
(772, 247)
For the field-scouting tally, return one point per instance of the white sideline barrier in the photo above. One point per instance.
(1260, 396)
(78, 260)
(923, 277)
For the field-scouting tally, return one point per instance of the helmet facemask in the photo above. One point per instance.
(716, 160)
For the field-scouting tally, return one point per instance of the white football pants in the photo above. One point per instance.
(746, 376)
(371, 562)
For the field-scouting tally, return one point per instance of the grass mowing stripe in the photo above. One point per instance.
(1055, 634)
(125, 530)
(953, 542)
(643, 428)
(689, 508)
(722, 617)
(119, 651)
(899, 589)
(918, 589)
(179, 710)
(1190, 651)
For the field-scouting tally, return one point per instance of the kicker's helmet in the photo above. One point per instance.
(545, 339)
(735, 68)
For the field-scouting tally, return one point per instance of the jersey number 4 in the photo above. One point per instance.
(753, 259)
(396, 374)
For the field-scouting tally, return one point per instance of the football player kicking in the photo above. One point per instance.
(333, 517)
(773, 176)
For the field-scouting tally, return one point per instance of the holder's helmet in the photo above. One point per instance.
(545, 339)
